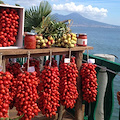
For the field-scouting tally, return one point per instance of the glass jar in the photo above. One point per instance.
(82, 39)
(30, 41)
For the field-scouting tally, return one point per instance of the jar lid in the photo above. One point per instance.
(29, 33)
(82, 34)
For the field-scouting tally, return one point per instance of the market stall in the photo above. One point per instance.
(77, 51)
(24, 87)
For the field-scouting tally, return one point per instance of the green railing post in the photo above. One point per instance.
(109, 97)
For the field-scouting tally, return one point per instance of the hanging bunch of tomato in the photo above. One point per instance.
(89, 82)
(68, 89)
(12, 92)
(8, 26)
(49, 89)
(26, 95)
(5, 82)
(13, 68)
(35, 63)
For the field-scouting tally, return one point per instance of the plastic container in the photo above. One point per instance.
(30, 41)
(82, 39)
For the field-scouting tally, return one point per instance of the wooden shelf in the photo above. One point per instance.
(15, 53)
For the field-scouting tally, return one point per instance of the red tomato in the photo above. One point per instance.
(89, 82)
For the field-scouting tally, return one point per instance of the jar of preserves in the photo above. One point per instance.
(82, 39)
(30, 41)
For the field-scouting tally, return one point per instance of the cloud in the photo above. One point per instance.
(28, 3)
(87, 11)
(54, 0)
(66, 0)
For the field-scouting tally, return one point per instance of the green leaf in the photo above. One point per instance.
(1, 2)
(17, 5)
(18, 118)
(7, 118)
(34, 15)
(1, 118)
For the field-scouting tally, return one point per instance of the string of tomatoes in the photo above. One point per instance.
(26, 95)
(89, 82)
(68, 89)
(48, 88)
(5, 82)
(53, 86)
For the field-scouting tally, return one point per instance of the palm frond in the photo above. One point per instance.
(34, 15)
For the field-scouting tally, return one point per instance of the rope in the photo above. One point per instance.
(87, 54)
(1, 67)
(105, 68)
(28, 60)
(0, 58)
(69, 53)
(50, 58)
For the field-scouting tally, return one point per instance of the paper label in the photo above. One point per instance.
(31, 69)
(50, 64)
(1, 68)
(14, 60)
(82, 41)
(91, 60)
(67, 60)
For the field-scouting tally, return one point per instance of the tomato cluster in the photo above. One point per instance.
(35, 63)
(13, 68)
(5, 82)
(68, 89)
(49, 89)
(8, 26)
(89, 82)
(26, 95)
(12, 92)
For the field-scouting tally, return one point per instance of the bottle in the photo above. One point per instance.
(82, 39)
(30, 41)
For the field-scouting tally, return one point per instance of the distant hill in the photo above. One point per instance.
(79, 20)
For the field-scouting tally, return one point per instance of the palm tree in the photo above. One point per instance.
(17, 5)
(1, 2)
(40, 19)
(38, 16)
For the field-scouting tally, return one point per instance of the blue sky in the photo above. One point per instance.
(106, 11)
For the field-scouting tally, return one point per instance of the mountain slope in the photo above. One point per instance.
(79, 20)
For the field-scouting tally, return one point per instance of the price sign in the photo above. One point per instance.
(31, 69)
(67, 60)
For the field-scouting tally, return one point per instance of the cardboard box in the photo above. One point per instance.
(19, 38)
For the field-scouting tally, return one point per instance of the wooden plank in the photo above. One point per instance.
(41, 52)
(0, 59)
(61, 112)
(79, 108)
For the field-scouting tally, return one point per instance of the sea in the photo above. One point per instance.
(104, 41)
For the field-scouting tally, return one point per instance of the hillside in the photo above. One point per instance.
(79, 20)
